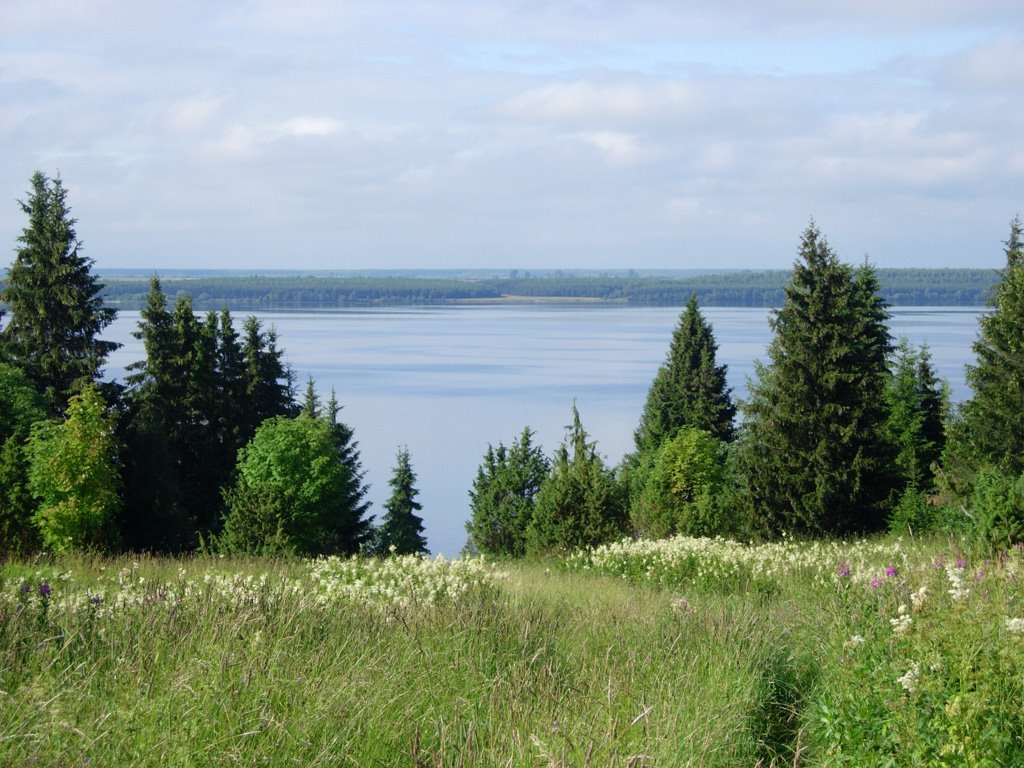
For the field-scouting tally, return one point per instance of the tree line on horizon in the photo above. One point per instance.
(742, 288)
(207, 445)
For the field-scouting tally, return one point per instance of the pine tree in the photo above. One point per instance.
(689, 389)
(401, 530)
(503, 496)
(991, 431)
(815, 455)
(57, 313)
(580, 503)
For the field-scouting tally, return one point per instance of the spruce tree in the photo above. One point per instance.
(580, 503)
(815, 455)
(689, 388)
(916, 401)
(991, 431)
(503, 496)
(57, 313)
(401, 530)
(353, 526)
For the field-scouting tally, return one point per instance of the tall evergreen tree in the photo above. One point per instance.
(57, 313)
(916, 401)
(353, 528)
(689, 389)
(991, 430)
(401, 530)
(815, 457)
(503, 496)
(580, 503)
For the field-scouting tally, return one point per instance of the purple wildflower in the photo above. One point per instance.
(44, 589)
(875, 583)
(891, 571)
(939, 564)
(26, 587)
(844, 569)
(96, 600)
(961, 564)
(979, 575)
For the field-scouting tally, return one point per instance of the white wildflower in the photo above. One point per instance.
(1016, 626)
(901, 624)
(854, 641)
(917, 599)
(911, 678)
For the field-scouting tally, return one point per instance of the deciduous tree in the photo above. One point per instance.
(73, 474)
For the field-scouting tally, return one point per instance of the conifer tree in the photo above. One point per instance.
(353, 528)
(991, 431)
(815, 457)
(401, 530)
(503, 496)
(689, 388)
(57, 313)
(916, 401)
(580, 503)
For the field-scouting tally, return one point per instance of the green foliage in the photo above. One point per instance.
(997, 506)
(917, 404)
(687, 471)
(20, 407)
(689, 389)
(73, 474)
(992, 421)
(57, 313)
(401, 530)
(580, 503)
(503, 495)
(289, 492)
(816, 458)
(195, 400)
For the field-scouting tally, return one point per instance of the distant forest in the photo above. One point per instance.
(899, 287)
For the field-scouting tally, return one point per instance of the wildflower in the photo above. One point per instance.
(901, 624)
(26, 587)
(891, 571)
(875, 583)
(961, 564)
(911, 678)
(979, 575)
(682, 605)
(96, 600)
(44, 589)
(917, 598)
(844, 569)
(854, 641)
(1016, 626)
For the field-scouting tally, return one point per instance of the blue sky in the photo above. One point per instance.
(517, 134)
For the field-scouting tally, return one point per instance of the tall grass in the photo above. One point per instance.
(594, 661)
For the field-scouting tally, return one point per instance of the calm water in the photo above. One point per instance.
(447, 381)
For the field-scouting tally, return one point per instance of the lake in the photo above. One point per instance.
(447, 381)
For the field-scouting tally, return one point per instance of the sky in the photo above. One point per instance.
(596, 134)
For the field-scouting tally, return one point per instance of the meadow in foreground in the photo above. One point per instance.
(673, 653)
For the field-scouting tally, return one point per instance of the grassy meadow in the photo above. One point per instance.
(685, 652)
